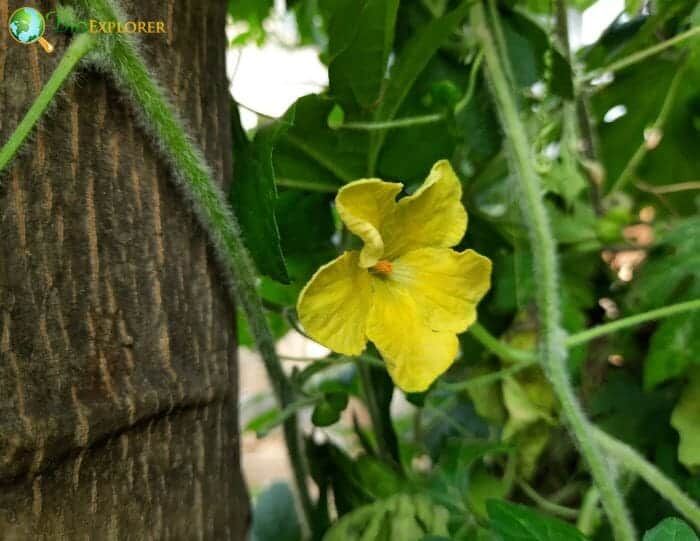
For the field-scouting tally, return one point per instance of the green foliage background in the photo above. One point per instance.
(496, 451)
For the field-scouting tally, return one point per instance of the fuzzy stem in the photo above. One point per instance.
(552, 349)
(589, 516)
(632, 461)
(194, 178)
(78, 48)
(631, 321)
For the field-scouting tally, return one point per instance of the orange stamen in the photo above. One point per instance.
(383, 267)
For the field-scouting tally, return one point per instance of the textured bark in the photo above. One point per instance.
(118, 402)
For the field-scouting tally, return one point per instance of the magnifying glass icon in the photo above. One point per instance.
(27, 25)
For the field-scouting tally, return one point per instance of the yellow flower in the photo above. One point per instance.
(405, 290)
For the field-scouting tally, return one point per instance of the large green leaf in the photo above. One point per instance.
(685, 419)
(528, 44)
(361, 34)
(671, 529)
(671, 84)
(470, 138)
(312, 156)
(254, 196)
(404, 517)
(274, 515)
(410, 62)
(519, 523)
(306, 228)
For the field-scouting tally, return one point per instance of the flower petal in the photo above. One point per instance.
(363, 206)
(432, 216)
(415, 355)
(446, 285)
(333, 306)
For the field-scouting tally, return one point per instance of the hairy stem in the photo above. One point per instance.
(632, 461)
(553, 353)
(120, 59)
(78, 48)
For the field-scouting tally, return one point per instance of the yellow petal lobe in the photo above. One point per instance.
(415, 355)
(445, 285)
(333, 305)
(363, 206)
(432, 216)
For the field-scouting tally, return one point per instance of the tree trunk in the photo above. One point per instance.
(118, 376)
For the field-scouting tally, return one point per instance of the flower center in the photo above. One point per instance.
(383, 267)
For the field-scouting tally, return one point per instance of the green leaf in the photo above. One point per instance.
(274, 515)
(671, 529)
(252, 12)
(312, 156)
(254, 196)
(670, 275)
(673, 348)
(336, 117)
(527, 44)
(519, 523)
(361, 34)
(306, 242)
(674, 159)
(272, 418)
(483, 487)
(325, 414)
(685, 420)
(404, 517)
(410, 62)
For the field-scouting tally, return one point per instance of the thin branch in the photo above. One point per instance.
(631, 321)
(500, 348)
(79, 47)
(669, 188)
(546, 505)
(641, 55)
(658, 125)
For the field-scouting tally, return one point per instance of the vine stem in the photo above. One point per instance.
(641, 55)
(78, 48)
(120, 58)
(553, 353)
(658, 125)
(631, 321)
(629, 459)
(546, 505)
(500, 348)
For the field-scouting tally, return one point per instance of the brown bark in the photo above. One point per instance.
(118, 376)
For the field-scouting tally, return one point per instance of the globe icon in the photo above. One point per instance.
(27, 26)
